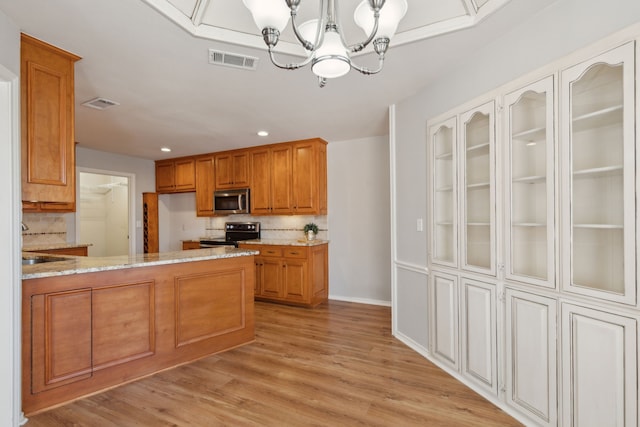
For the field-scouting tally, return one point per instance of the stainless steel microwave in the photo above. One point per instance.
(235, 201)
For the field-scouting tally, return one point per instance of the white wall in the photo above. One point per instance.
(10, 293)
(359, 220)
(556, 31)
(143, 169)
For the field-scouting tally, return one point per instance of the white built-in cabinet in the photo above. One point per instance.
(533, 234)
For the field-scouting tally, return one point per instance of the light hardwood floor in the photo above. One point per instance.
(336, 365)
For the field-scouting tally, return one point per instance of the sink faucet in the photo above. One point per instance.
(24, 226)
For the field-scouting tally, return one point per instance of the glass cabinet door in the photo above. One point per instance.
(529, 169)
(598, 161)
(442, 137)
(478, 191)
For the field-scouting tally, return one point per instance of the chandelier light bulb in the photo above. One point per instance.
(332, 57)
(269, 13)
(390, 15)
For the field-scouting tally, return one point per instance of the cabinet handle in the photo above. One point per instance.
(294, 253)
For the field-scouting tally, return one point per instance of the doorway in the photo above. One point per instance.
(104, 211)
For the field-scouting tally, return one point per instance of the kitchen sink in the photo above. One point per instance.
(40, 259)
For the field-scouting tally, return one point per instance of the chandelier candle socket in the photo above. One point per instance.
(322, 38)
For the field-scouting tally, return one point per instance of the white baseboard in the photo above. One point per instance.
(360, 300)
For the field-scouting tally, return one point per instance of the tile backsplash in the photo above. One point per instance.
(272, 227)
(44, 229)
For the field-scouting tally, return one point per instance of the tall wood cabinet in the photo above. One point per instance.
(533, 260)
(205, 173)
(48, 142)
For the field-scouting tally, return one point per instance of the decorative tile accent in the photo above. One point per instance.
(272, 227)
(44, 229)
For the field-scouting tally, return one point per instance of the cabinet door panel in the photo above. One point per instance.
(165, 176)
(272, 278)
(208, 305)
(530, 184)
(47, 121)
(444, 194)
(295, 276)
(531, 378)
(281, 181)
(261, 181)
(304, 179)
(444, 318)
(204, 186)
(599, 368)
(479, 361)
(185, 174)
(123, 324)
(599, 209)
(477, 201)
(61, 334)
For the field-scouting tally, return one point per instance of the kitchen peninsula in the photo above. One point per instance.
(92, 323)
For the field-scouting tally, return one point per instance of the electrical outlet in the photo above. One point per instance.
(419, 226)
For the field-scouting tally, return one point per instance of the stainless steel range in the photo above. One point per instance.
(234, 232)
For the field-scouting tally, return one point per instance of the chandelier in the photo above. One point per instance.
(322, 38)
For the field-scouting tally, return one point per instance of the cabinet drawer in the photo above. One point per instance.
(295, 252)
(270, 251)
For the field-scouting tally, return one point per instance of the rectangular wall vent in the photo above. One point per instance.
(227, 59)
(100, 103)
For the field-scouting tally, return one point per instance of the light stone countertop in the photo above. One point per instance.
(285, 242)
(81, 264)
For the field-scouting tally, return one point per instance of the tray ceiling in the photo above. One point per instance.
(230, 21)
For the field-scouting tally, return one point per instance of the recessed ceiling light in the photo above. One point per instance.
(263, 133)
(165, 149)
(531, 144)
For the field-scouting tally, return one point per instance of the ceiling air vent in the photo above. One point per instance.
(100, 103)
(218, 57)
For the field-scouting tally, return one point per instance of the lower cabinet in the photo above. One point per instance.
(530, 350)
(84, 333)
(599, 368)
(61, 339)
(291, 274)
(479, 329)
(464, 328)
(444, 319)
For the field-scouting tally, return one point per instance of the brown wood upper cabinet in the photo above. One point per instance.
(176, 175)
(289, 178)
(285, 179)
(47, 110)
(232, 169)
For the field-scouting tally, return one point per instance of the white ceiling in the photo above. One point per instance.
(151, 56)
